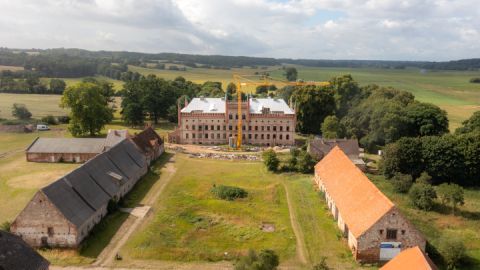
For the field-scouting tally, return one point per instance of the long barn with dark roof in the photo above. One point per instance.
(64, 212)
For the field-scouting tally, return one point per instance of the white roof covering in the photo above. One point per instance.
(217, 105)
(205, 105)
(276, 105)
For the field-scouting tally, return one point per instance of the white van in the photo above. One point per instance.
(42, 127)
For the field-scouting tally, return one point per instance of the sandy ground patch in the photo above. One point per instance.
(36, 179)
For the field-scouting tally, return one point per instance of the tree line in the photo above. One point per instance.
(374, 115)
(73, 62)
(21, 82)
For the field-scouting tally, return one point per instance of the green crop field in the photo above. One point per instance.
(39, 105)
(190, 224)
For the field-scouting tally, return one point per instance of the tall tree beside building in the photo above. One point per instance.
(89, 109)
(132, 112)
(331, 127)
(313, 104)
(159, 95)
(291, 74)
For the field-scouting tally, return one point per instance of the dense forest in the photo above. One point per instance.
(80, 63)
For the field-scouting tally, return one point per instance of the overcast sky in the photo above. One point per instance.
(319, 29)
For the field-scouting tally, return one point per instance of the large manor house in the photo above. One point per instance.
(265, 122)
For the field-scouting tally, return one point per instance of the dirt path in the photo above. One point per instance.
(301, 250)
(106, 258)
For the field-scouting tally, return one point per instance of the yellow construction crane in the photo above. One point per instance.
(259, 80)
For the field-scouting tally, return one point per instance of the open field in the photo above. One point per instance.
(189, 224)
(39, 105)
(440, 222)
(11, 68)
(117, 85)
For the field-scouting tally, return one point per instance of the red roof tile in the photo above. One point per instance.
(360, 203)
(411, 259)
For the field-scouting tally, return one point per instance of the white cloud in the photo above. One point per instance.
(331, 29)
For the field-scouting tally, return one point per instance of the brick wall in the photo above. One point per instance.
(60, 157)
(407, 234)
(33, 224)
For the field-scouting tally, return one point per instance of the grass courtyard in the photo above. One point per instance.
(189, 224)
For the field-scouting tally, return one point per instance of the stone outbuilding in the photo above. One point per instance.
(320, 147)
(412, 259)
(72, 150)
(15, 254)
(63, 213)
(373, 226)
(150, 143)
(76, 150)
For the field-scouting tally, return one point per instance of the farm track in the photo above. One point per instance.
(106, 258)
(300, 238)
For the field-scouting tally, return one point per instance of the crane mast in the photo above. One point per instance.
(243, 80)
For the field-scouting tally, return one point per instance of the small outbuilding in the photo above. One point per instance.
(72, 150)
(319, 147)
(374, 227)
(412, 259)
(15, 254)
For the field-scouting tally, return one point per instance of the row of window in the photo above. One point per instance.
(256, 136)
(230, 127)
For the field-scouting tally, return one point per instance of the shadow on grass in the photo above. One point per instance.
(104, 231)
(101, 235)
(142, 187)
(447, 210)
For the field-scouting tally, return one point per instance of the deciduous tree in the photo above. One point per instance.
(89, 109)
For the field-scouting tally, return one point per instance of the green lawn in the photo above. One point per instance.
(189, 224)
(440, 221)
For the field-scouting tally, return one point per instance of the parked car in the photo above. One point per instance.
(42, 127)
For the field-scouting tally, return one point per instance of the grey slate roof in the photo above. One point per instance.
(320, 147)
(115, 136)
(79, 194)
(70, 204)
(15, 254)
(67, 145)
(217, 105)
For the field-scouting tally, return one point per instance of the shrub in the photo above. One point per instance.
(452, 250)
(266, 260)
(228, 193)
(49, 119)
(475, 80)
(322, 265)
(63, 119)
(20, 111)
(402, 182)
(5, 226)
(305, 162)
(422, 195)
(451, 194)
(270, 160)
